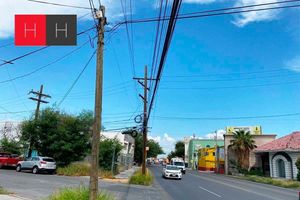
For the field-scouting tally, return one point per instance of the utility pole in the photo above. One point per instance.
(39, 95)
(100, 15)
(216, 153)
(144, 84)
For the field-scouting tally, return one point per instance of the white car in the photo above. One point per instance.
(172, 171)
(37, 164)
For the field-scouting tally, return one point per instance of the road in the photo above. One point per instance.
(40, 186)
(207, 186)
(194, 185)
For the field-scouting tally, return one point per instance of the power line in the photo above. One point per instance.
(230, 87)
(77, 78)
(129, 39)
(7, 44)
(232, 79)
(14, 112)
(45, 66)
(191, 15)
(242, 7)
(58, 4)
(37, 50)
(228, 118)
(168, 38)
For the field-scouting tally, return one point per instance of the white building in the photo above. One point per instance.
(128, 142)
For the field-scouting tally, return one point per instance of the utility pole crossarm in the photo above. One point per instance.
(39, 100)
(144, 84)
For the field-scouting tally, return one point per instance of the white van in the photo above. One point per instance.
(179, 163)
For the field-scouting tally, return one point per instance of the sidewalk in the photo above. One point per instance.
(127, 173)
(11, 197)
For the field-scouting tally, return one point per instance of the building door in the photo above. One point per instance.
(281, 168)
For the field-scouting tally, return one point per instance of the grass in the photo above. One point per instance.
(139, 179)
(3, 191)
(80, 193)
(272, 181)
(82, 169)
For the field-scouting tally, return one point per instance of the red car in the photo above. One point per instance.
(8, 160)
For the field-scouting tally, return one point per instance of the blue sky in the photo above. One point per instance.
(217, 67)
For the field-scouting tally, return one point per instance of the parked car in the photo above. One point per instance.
(172, 171)
(37, 165)
(8, 160)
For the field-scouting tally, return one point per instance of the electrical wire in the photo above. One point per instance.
(230, 87)
(57, 4)
(228, 118)
(77, 78)
(37, 50)
(45, 66)
(167, 42)
(191, 15)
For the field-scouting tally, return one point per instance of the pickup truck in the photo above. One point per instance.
(8, 160)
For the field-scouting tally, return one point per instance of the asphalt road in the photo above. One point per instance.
(40, 186)
(207, 186)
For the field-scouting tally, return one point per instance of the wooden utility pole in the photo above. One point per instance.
(145, 118)
(145, 124)
(98, 106)
(39, 95)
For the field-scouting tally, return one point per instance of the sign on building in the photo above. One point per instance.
(254, 130)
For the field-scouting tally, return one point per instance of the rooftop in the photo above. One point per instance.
(289, 142)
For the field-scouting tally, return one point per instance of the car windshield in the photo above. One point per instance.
(48, 160)
(178, 163)
(171, 168)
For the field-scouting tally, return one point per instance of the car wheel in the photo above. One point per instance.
(19, 168)
(35, 170)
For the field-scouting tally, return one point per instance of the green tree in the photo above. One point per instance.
(242, 144)
(154, 149)
(59, 135)
(10, 145)
(107, 148)
(138, 149)
(298, 166)
(178, 152)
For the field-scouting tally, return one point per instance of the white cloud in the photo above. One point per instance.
(219, 134)
(294, 64)
(248, 17)
(9, 8)
(166, 142)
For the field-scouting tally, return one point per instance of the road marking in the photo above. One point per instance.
(210, 192)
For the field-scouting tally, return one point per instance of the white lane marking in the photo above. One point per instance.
(210, 192)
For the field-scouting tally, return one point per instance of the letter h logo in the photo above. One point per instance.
(42, 30)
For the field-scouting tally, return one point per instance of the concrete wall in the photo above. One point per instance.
(254, 160)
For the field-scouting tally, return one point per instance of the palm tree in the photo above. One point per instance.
(242, 144)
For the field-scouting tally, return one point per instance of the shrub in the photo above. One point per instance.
(74, 169)
(139, 179)
(80, 193)
(271, 181)
(82, 169)
(3, 191)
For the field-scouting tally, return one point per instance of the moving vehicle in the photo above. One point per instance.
(37, 164)
(179, 163)
(8, 160)
(172, 171)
